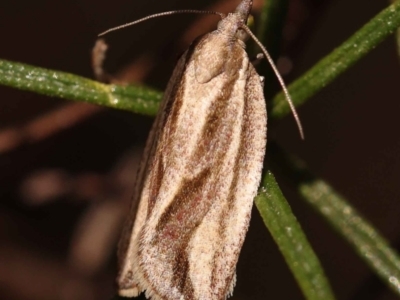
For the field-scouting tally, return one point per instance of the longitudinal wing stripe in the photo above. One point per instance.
(207, 239)
(128, 245)
(244, 184)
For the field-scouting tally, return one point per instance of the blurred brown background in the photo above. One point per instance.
(67, 169)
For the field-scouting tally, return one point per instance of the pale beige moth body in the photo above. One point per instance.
(200, 174)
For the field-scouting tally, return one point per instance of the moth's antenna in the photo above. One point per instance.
(166, 13)
(280, 79)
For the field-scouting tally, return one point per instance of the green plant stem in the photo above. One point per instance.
(340, 59)
(345, 219)
(361, 235)
(270, 202)
(63, 85)
(292, 242)
(271, 22)
(269, 31)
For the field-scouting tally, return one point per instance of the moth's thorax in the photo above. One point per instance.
(244, 8)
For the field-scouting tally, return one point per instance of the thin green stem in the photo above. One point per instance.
(291, 240)
(362, 236)
(270, 202)
(345, 219)
(269, 31)
(340, 59)
(63, 85)
(270, 24)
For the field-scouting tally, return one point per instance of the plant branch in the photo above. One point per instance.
(291, 240)
(345, 219)
(340, 59)
(63, 85)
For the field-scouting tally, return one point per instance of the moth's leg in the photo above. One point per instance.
(262, 81)
(98, 56)
(255, 61)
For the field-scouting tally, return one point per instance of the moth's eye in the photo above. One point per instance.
(250, 21)
(242, 35)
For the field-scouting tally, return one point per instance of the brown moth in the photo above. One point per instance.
(200, 173)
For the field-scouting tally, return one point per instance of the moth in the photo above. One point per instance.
(200, 172)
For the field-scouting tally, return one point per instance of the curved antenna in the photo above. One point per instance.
(166, 13)
(279, 77)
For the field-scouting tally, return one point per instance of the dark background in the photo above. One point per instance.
(67, 169)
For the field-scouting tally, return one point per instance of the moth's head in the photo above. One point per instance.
(243, 10)
(233, 23)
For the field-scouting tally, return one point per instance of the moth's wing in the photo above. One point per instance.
(203, 177)
(246, 178)
(223, 229)
(128, 244)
